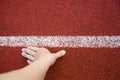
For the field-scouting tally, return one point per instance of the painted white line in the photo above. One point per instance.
(61, 41)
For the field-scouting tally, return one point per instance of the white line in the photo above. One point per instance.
(61, 41)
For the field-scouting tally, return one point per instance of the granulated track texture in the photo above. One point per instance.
(64, 18)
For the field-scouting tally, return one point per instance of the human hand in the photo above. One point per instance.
(34, 53)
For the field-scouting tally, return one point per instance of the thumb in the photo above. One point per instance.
(59, 54)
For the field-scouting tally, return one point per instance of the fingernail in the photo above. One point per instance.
(23, 49)
(22, 54)
(63, 52)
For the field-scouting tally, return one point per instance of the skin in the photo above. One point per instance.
(40, 60)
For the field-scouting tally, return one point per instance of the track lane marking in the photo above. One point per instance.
(61, 41)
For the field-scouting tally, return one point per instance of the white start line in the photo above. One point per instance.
(61, 41)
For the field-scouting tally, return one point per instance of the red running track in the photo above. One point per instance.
(64, 17)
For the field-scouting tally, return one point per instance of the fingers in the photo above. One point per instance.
(33, 53)
(29, 61)
(35, 49)
(59, 54)
(27, 56)
(25, 50)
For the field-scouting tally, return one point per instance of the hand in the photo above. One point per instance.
(34, 53)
